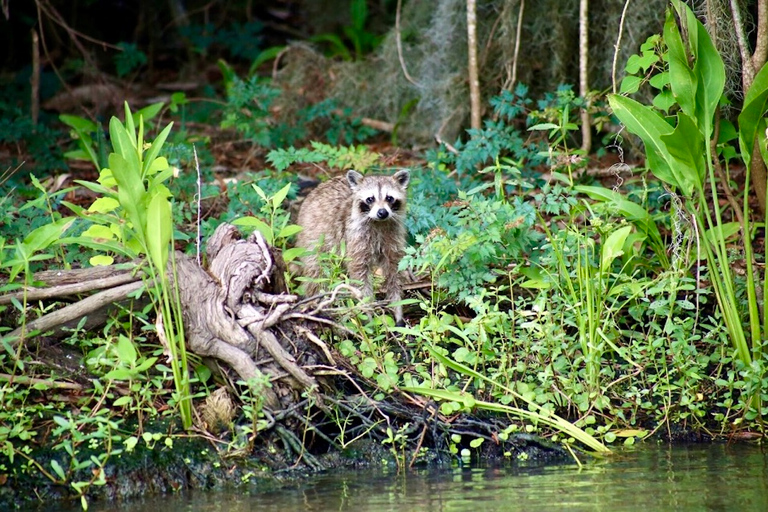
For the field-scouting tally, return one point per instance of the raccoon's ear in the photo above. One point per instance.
(354, 178)
(403, 176)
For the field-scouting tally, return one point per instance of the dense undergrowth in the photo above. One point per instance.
(545, 289)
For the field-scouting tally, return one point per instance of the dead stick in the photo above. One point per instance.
(75, 311)
(68, 289)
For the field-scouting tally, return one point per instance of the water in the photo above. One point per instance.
(648, 478)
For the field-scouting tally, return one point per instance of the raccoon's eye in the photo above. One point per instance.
(369, 200)
(390, 199)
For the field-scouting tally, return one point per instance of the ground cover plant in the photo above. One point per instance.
(148, 299)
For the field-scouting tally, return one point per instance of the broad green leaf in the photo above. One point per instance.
(126, 352)
(159, 231)
(120, 374)
(686, 147)
(543, 127)
(289, 230)
(104, 205)
(613, 247)
(664, 100)
(294, 252)
(102, 246)
(726, 232)
(630, 84)
(659, 81)
(123, 400)
(130, 127)
(58, 469)
(78, 123)
(130, 191)
(42, 237)
(148, 113)
(101, 260)
(710, 74)
(649, 126)
(280, 195)
(154, 150)
(755, 105)
(158, 164)
(681, 77)
(98, 231)
(259, 225)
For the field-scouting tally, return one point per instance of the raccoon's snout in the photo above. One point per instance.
(382, 214)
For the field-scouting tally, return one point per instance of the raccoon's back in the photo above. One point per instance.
(325, 212)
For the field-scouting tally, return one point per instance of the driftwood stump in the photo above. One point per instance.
(236, 312)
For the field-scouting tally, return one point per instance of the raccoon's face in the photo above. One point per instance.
(379, 198)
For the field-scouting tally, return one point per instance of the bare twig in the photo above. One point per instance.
(517, 42)
(618, 45)
(69, 289)
(199, 207)
(31, 381)
(77, 310)
(398, 40)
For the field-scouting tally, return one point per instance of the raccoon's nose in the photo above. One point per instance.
(382, 213)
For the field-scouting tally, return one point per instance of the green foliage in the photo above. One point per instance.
(352, 157)
(680, 155)
(248, 111)
(132, 217)
(276, 227)
(556, 116)
(129, 59)
(361, 40)
(498, 138)
(40, 141)
(239, 40)
(476, 238)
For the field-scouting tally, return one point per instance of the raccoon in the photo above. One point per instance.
(367, 214)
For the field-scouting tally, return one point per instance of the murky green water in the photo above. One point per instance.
(648, 478)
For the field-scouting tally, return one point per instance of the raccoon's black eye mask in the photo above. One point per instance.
(393, 203)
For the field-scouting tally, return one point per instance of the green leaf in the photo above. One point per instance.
(78, 123)
(280, 196)
(294, 252)
(104, 205)
(649, 126)
(154, 150)
(123, 400)
(710, 72)
(42, 237)
(613, 247)
(630, 84)
(289, 230)
(664, 100)
(543, 127)
(58, 469)
(101, 260)
(126, 352)
(755, 105)
(259, 225)
(686, 147)
(682, 80)
(99, 231)
(660, 80)
(159, 230)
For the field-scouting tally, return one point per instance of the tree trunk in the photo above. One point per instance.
(750, 65)
(586, 122)
(474, 81)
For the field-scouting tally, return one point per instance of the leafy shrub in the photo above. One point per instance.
(248, 110)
